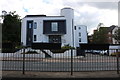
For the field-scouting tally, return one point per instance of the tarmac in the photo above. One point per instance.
(30, 74)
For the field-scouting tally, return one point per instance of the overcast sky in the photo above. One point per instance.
(87, 12)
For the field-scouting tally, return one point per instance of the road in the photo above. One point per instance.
(89, 63)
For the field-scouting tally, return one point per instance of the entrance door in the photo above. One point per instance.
(54, 39)
(29, 33)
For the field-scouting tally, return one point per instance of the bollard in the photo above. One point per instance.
(23, 61)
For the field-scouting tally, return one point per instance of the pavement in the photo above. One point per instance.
(30, 74)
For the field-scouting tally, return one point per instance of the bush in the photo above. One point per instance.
(58, 51)
(9, 47)
(67, 47)
(31, 52)
(63, 49)
(6, 50)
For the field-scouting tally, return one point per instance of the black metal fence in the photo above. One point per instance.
(69, 61)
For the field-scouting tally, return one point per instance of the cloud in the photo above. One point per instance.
(92, 16)
(86, 17)
(25, 10)
(87, 12)
(104, 5)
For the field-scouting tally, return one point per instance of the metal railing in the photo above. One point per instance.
(69, 61)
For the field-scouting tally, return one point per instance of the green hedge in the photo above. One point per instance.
(63, 49)
(31, 52)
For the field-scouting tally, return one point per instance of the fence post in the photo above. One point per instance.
(23, 61)
(117, 61)
(71, 61)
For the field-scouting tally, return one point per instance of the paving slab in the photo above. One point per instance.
(30, 74)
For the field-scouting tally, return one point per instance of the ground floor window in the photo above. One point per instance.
(35, 37)
(79, 39)
(55, 39)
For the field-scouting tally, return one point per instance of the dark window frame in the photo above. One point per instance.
(35, 37)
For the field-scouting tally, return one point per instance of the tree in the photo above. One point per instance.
(117, 35)
(100, 25)
(11, 28)
(100, 36)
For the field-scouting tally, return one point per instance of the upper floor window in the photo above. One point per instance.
(54, 26)
(109, 32)
(75, 27)
(30, 25)
(35, 25)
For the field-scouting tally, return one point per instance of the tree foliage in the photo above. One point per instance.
(100, 36)
(11, 28)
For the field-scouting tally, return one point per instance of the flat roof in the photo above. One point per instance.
(67, 8)
(41, 16)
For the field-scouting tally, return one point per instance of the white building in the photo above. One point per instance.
(80, 35)
(50, 29)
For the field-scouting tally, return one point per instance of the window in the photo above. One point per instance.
(79, 27)
(109, 33)
(79, 39)
(35, 25)
(109, 37)
(54, 26)
(75, 27)
(30, 25)
(29, 39)
(79, 34)
(35, 37)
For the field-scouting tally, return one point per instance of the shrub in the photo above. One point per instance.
(9, 47)
(31, 52)
(58, 51)
(6, 50)
(63, 49)
(67, 47)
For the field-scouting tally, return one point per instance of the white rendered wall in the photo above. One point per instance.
(39, 31)
(83, 31)
(68, 13)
